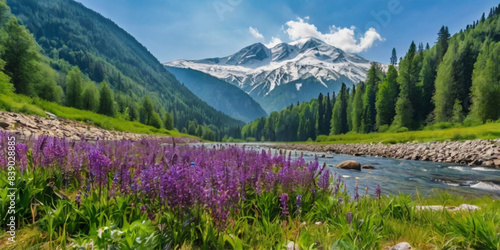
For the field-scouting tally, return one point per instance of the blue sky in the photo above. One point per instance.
(176, 29)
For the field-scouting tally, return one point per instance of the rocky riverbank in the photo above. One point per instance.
(25, 126)
(473, 152)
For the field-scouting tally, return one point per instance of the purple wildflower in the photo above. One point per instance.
(299, 200)
(356, 194)
(377, 191)
(324, 180)
(340, 200)
(349, 217)
(284, 200)
(78, 198)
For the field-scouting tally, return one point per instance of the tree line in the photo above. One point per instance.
(455, 81)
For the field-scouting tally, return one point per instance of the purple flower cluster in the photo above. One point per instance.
(158, 175)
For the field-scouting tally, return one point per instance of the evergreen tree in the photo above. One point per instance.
(350, 101)
(148, 110)
(386, 98)
(321, 115)
(486, 83)
(442, 43)
(169, 121)
(394, 57)
(106, 102)
(369, 112)
(90, 98)
(454, 79)
(21, 57)
(74, 88)
(328, 113)
(155, 120)
(339, 116)
(407, 102)
(357, 107)
(428, 77)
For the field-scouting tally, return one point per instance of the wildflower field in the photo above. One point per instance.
(155, 194)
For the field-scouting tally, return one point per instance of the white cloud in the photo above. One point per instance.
(255, 33)
(342, 38)
(274, 41)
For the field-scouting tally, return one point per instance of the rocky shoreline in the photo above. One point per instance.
(26, 126)
(472, 152)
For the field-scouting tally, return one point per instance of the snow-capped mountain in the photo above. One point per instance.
(288, 72)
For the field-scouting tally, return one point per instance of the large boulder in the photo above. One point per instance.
(349, 165)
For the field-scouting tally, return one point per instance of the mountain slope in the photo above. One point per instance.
(219, 94)
(72, 34)
(310, 65)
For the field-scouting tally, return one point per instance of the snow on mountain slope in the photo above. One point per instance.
(259, 70)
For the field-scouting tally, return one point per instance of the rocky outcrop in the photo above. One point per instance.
(463, 207)
(472, 152)
(349, 165)
(24, 126)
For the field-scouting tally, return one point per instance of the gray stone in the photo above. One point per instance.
(401, 246)
(350, 164)
(4, 125)
(367, 167)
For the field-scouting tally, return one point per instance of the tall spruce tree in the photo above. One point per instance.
(369, 113)
(386, 98)
(357, 107)
(486, 83)
(106, 102)
(74, 88)
(406, 104)
(442, 43)
(339, 116)
(321, 115)
(394, 57)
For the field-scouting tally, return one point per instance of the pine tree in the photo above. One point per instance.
(339, 116)
(328, 113)
(74, 88)
(442, 43)
(394, 57)
(21, 57)
(169, 121)
(321, 115)
(486, 83)
(386, 98)
(90, 98)
(369, 113)
(407, 102)
(147, 111)
(428, 77)
(357, 107)
(350, 101)
(106, 102)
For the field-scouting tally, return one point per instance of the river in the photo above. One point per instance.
(407, 176)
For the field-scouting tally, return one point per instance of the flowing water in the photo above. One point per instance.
(407, 176)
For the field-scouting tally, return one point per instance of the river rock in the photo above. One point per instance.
(350, 164)
(4, 125)
(292, 246)
(401, 246)
(367, 167)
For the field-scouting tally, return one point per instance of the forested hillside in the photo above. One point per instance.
(455, 82)
(85, 61)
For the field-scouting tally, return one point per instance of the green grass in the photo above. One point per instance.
(485, 131)
(23, 104)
